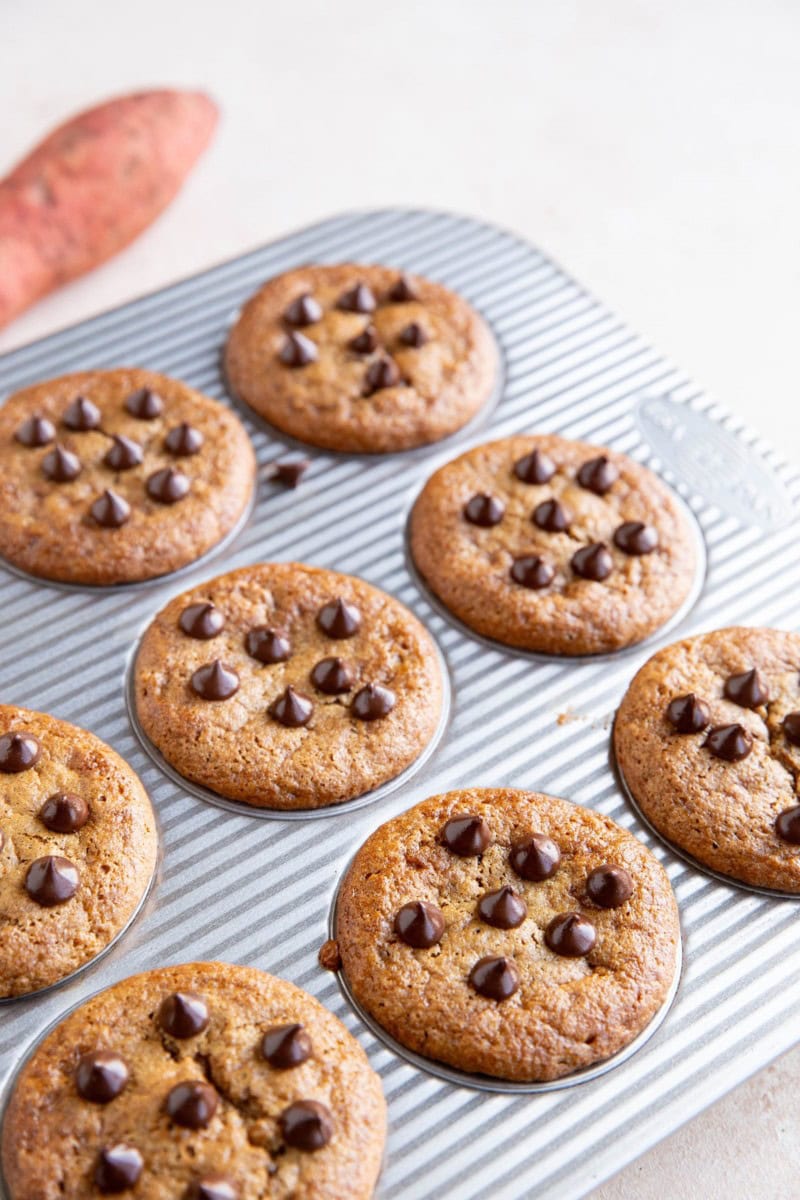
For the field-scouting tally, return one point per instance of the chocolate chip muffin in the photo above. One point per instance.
(361, 358)
(287, 686)
(198, 1082)
(118, 476)
(507, 933)
(552, 545)
(78, 847)
(707, 739)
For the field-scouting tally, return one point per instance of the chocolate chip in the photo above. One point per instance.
(35, 431)
(598, 475)
(212, 1187)
(383, 373)
(101, 1076)
(688, 714)
(593, 562)
(551, 516)
(787, 825)
(366, 341)
(306, 1125)
(118, 1168)
(215, 681)
(286, 1046)
(570, 935)
(2, 839)
(192, 1104)
(372, 702)
(267, 645)
(110, 510)
(145, 404)
(298, 351)
(531, 571)
(167, 486)
(535, 857)
(291, 708)
(358, 299)
(64, 812)
(748, 690)
(51, 880)
(466, 835)
(402, 291)
(202, 621)
(304, 310)
(535, 467)
(124, 454)
(634, 537)
(183, 1015)
(289, 473)
(184, 440)
(18, 752)
(338, 619)
(730, 742)
(503, 909)
(82, 415)
(494, 978)
(413, 335)
(484, 510)
(61, 465)
(791, 728)
(609, 886)
(419, 924)
(332, 676)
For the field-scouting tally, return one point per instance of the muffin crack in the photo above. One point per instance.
(775, 742)
(247, 1110)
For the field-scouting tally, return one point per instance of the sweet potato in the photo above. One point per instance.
(92, 186)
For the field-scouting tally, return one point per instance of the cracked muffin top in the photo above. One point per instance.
(197, 1082)
(78, 845)
(118, 476)
(553, 545)
(361, 358)
(507, 932)
(707, 738)
(288, 686)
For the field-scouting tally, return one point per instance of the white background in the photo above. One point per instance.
(653, 148)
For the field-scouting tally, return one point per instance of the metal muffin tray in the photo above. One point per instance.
(259, 892)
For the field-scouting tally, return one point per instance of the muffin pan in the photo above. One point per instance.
(257, 892)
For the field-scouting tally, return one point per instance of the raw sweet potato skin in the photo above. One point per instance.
(92, 186)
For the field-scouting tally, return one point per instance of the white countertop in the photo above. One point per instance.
(651, 148)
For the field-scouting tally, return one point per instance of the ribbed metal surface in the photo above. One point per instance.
(259, 891)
